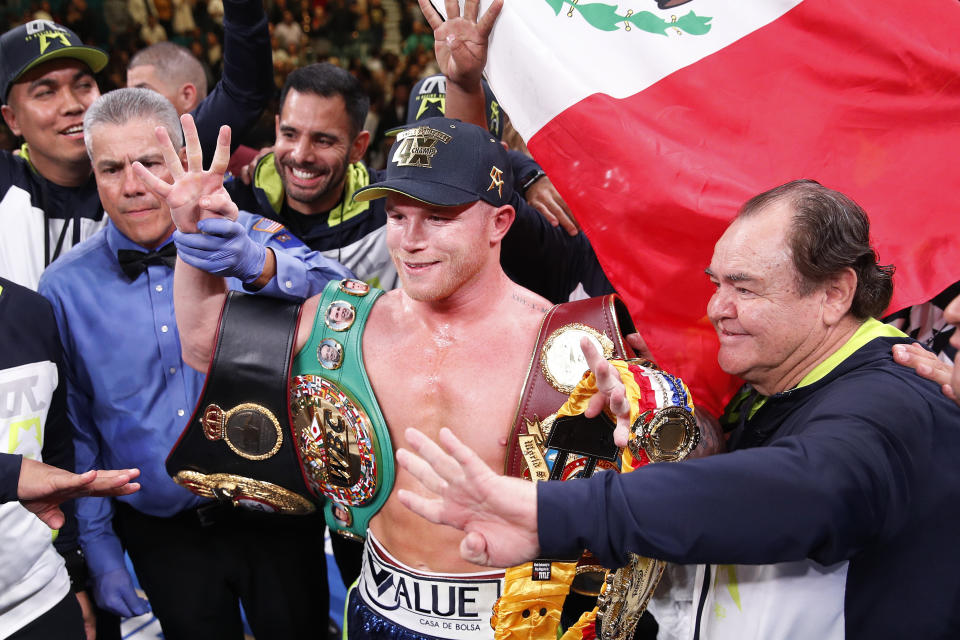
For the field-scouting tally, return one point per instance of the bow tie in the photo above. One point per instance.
(135, 262)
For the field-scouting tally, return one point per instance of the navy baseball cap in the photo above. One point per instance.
(428, 99)
(23, 48)
(445, 163)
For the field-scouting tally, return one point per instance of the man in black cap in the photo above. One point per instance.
(308, 181)
(428, 100)
(426, 346)
(48, 197)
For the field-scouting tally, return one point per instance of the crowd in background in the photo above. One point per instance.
(384, 43)
(385, 47)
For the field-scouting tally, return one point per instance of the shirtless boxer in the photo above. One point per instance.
(451, 348)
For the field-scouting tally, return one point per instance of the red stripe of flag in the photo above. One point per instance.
(862, 96)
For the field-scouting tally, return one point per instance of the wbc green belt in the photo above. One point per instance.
(289, 434)
(340, 436)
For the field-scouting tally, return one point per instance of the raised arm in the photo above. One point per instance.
(498, 514)
(195, 195)
(460, 44)
(246, 84)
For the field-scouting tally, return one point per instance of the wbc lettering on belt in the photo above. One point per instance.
(334, 437)
(336, 444)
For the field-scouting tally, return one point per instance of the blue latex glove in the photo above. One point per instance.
(114, 592)
(222, 249)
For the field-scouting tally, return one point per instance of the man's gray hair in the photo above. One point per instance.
(173, 64)
(123, 105)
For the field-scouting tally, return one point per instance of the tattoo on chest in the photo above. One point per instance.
(529, 303)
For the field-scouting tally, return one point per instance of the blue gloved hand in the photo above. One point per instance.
(222, 249)
(114, 592)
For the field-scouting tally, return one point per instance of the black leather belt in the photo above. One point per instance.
(238, 446)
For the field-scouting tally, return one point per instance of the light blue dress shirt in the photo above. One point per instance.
(129, 393)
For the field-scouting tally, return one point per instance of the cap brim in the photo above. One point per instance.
(441, 195)
(94, 58)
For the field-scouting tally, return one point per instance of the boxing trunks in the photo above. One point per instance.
(391, 601)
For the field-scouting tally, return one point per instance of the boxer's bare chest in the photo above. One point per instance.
(464, 375)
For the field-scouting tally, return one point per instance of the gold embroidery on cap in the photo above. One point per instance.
(416, 147)
(496, 180)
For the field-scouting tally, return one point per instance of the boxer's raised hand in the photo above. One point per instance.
(195, 194)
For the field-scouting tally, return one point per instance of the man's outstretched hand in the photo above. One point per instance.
(611, 394)
(498, 514)
(43, 488)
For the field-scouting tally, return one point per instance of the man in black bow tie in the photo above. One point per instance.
(135, 262)
(130, 396)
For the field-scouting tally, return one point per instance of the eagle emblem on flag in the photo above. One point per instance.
(605, 17)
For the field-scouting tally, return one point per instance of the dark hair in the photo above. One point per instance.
(328, 80)
(828, 233)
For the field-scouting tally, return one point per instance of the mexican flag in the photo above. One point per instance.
(657, 119)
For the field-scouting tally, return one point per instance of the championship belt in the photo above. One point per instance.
(558, 365)
(339, 433)
(238, 446)
(289, 434)
(560, 444)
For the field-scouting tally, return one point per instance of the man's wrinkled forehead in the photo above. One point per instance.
(114, 136)
(753, 248)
